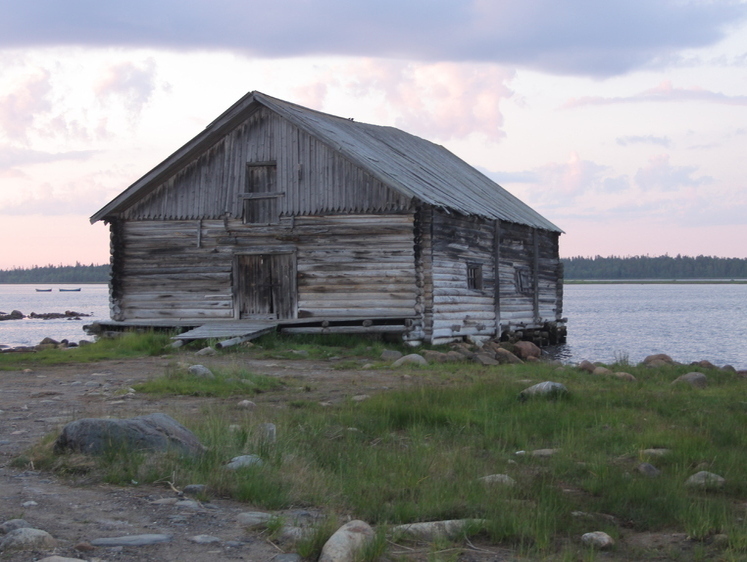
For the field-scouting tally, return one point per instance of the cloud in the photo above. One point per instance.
(567, 37)
(660, 175)
(440, 101)
(131, 83)
(20, 107)
(644, 139)
(11, 157)
(664, 92)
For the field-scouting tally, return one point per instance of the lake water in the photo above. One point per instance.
(92, 299)
(605, 321)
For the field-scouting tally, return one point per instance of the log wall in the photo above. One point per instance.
(347, 266)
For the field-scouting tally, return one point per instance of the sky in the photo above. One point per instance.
(624, 122)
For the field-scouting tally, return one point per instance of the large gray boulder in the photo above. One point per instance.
(695, 379)
(154, 432)
(346, 542)
(547, 389)
(27, 538)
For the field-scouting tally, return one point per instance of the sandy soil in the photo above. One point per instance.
(33, 404)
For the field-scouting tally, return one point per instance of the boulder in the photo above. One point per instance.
(625, 376)
(12, 525)
(243, 461)
(695, 379)
(729, 369)
(390, 355)
(412, 359)
(705, 480)
(587, 366)
(435, 356)
(487, 359)
(704, 364)
(201, 371)
(647, 469)
(548, 388)
(154, 432)
(597, 539)
(526, 349)
(504, 356)
(658, 359)
(601, 371)
(27, 538)
(346, 542)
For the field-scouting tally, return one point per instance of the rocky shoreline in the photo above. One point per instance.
(68, 314)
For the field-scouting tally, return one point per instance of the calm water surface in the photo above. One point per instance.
(605, 321)
(92, 299)
(687, 322)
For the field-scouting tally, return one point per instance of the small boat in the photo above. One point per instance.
(69, 290)
(44, 290)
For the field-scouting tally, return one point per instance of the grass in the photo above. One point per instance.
(416, 453)
(129, 345)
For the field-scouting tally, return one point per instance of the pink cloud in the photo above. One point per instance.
(439, 101)
(134, 84)
(660, 175)
(20, 108)
(664, 92)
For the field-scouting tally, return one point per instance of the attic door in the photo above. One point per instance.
(267, 286)
(260, 194)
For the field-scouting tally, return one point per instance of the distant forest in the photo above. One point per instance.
(77, 273)
(613, 268)
(662, 267)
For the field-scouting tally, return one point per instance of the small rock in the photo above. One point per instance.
(194, 489)
(704, 364)
(503, 479)
(30, 503)
(430, 530)
(706, 480)
(657, 452)
(165, 501)
(247, 405)
(26, 538)
(14, 524)
(346, 542)
(625, 376)
(547, 388)
(435, 356)
(597, 539)
(695, 379)
(132, 540)
(201, 371)
(251, 519)
(188, 504)
(61, 559)
(647, 469)
(412, 359)
(390, 355)
(84, 546)
(601, 371)
(203, 539)
(243, 461)
(360, 397)
(206, 351)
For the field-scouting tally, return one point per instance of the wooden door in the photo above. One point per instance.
(267, 286)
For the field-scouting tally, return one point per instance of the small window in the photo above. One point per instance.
(523, 280)
(260, 197)
(474, 276)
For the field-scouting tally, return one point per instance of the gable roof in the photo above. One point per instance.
(410, 165)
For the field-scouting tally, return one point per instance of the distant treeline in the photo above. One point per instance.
(661, 267)
(77, 273)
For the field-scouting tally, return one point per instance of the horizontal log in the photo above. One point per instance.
(344, 330)
(357, 312)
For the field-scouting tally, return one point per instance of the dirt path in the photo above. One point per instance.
(33, 404)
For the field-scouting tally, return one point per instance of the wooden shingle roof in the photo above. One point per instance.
(410, 165)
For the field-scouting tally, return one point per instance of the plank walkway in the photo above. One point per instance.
(249, 329)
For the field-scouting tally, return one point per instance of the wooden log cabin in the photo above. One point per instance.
(279, 212)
